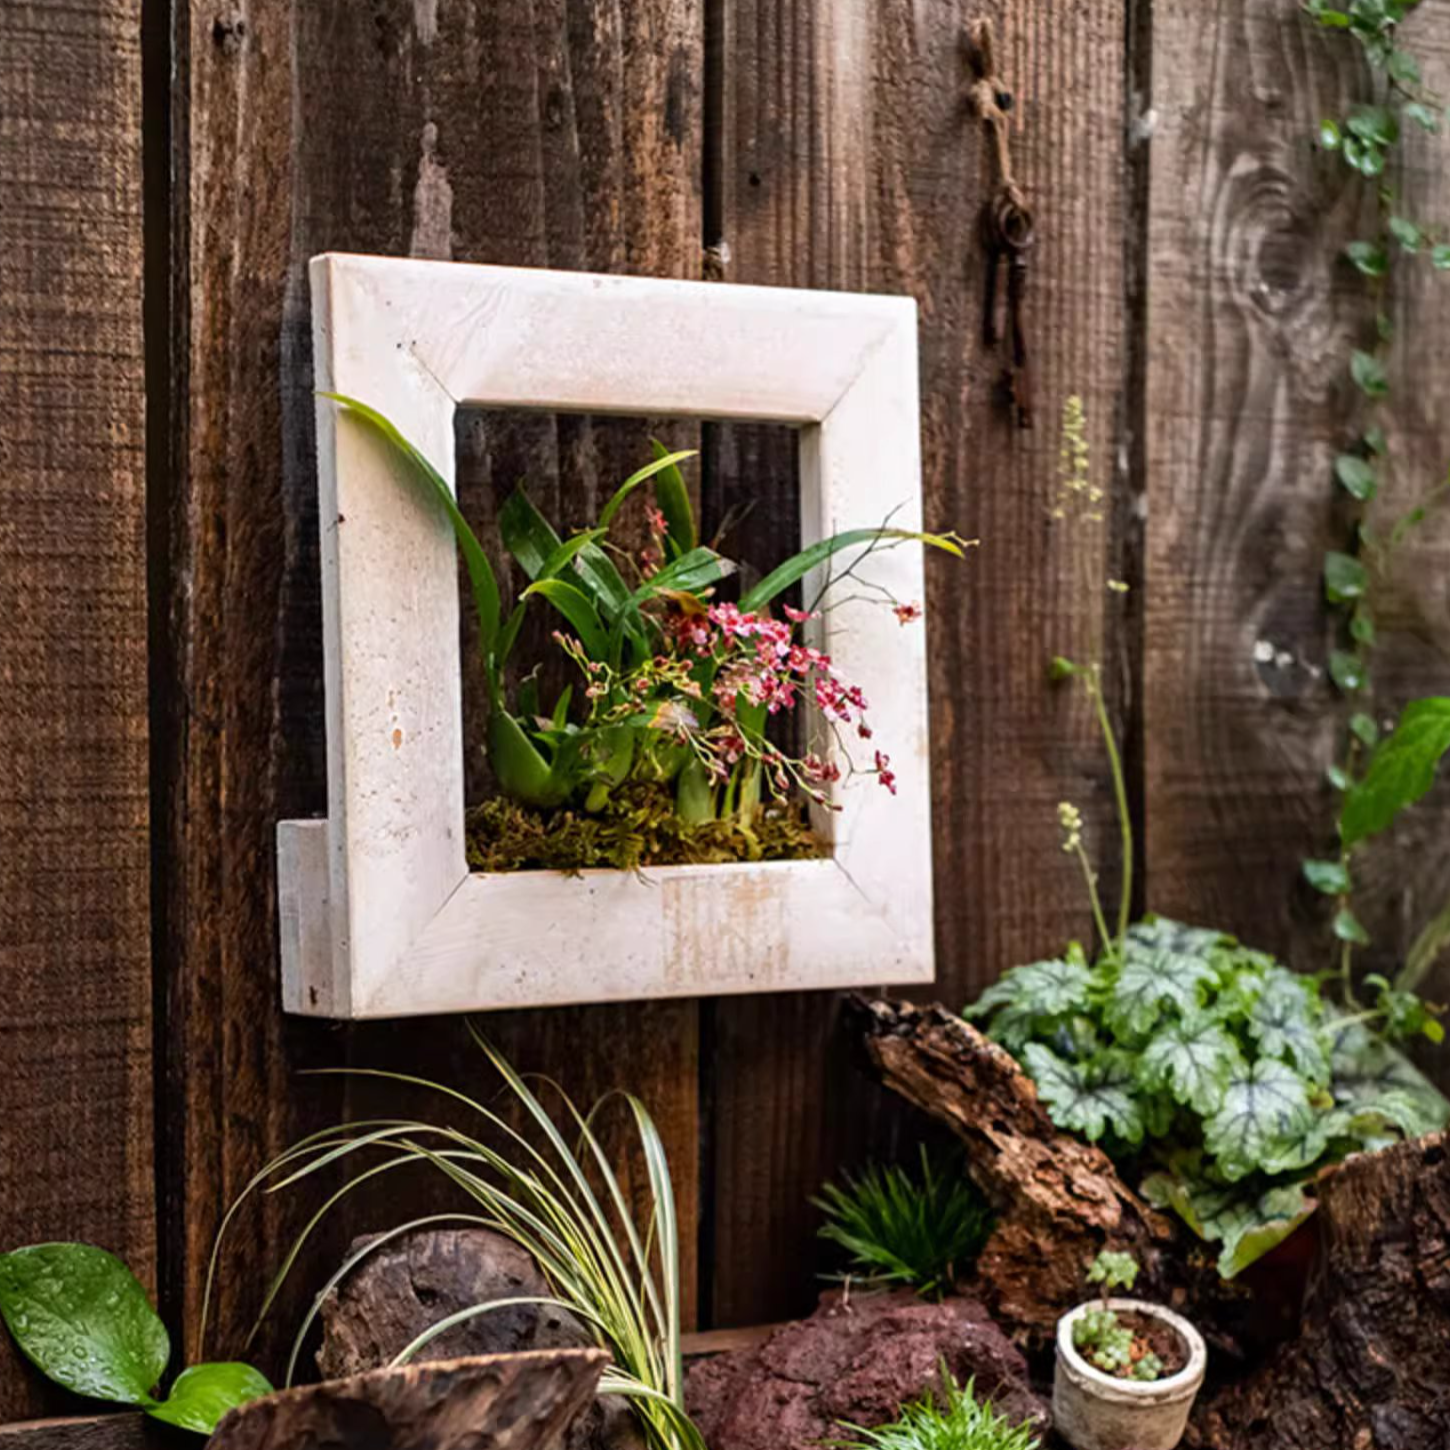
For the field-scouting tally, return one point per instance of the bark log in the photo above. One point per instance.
(492, 1402)
(1060, 1200)
(1370, 1369)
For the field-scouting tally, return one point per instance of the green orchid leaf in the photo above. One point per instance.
(1090, 1099)
(205, 1393)
(1262, 1105)
(566, 553)
(799, 565)
(521, 771)
(1401, 770)
(574, 605)
(80, 1316)
(1041, 989)
(691, 573)
(480, 571)
(526, 533)
(1153, 979)
(662, 462)
(673, 498)
(1194, 1059)
(1283, 1025)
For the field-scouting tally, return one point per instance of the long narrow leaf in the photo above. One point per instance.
(480, 571)
(673, 498)
(662, 462)
(799, 565)
(690, 573)
(574, 605)
(526, 533)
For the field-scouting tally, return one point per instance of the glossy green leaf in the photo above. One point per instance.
(1369, 257)
(1330, 135)
(566, 553)
(1356, 475)
(1361, 626)
(799, 565)
(1440, 256)
(522, 772)
(1366, 158)
(1368, 373)
(1330, 877)
(526, 533)
(1345, 578)
(662, 462)
(1422, 115)
(1263, 1104)
(80, 1316)
(1376, 124)
(1348, 927)
(1364, 728)
(1347, 671)
(673, 497)
(576, 608)
(1406, 233)
(1401, 770)
(205, 1393)
(1403, 69)
(691, 573)
(480, 571)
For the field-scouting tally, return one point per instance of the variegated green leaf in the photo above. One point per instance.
(1090, 1098)
(1194, 1059)
(1262, 1106)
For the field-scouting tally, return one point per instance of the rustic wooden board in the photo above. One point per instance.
(119, 1430)
(847, 159)
(75, 978)
(1250, 318)
(547, 135)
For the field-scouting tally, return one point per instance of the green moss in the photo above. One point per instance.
(637, 828)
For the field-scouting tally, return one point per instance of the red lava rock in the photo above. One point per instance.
(856, 1361)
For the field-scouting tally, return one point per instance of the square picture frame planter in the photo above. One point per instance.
(380, 915)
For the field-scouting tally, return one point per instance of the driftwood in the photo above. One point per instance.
(492, 1402)
(1060, 1200)
(1370, 1369)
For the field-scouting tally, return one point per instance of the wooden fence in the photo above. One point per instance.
(160, 680)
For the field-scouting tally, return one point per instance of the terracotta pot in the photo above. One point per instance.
(1092, 1410)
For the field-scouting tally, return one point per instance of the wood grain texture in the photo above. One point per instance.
(848, 159)
(75, 972)
(1251, 316)
(544, 133)
(118, 1430)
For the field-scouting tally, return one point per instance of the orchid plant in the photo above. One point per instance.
(676, 688)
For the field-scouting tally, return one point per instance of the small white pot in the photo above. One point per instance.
(1092, 1410)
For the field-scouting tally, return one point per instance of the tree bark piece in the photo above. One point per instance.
(1060, 1199)
(1370, 1369)
(492, 1402)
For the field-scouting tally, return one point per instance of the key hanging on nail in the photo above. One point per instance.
(1006, 228)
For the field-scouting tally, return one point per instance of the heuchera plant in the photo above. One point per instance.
(1221, 1079)
(677, 688)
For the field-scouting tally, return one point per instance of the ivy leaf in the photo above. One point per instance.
(1347, 671)
(1406, 233)
(1361, 626)
(1400, 771)
(1152, 978)
(1421, 115)
(1262, 1105)
(203, 1394)
(1374, 124)
(1348, 927)
(1282, 1025)
(1194, 1059)
(1440, 257)
(1366, 158)
(1337, 776)
(1345, 578)
(1041, 989)
(1375, 440)
(1088, 1098)
(1369, 257)
(1403, 68)
(1368, 373)
(1356, 475)
(80, 1316)
(1364, 728)
(1330, 877)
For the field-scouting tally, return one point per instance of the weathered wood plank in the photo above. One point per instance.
(75, 978)
(848, 160)
(552, 134)
(119, 1430)
(1251, 315)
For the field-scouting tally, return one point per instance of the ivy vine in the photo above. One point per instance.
(1379, 777)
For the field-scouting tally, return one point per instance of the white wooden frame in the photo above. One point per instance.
(380, 915)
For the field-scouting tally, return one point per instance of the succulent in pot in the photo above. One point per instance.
(1127, 1370)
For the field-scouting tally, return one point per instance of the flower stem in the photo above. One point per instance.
(1091, 877)
(1093, 679)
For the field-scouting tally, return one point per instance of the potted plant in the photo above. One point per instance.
(1127, 1370)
